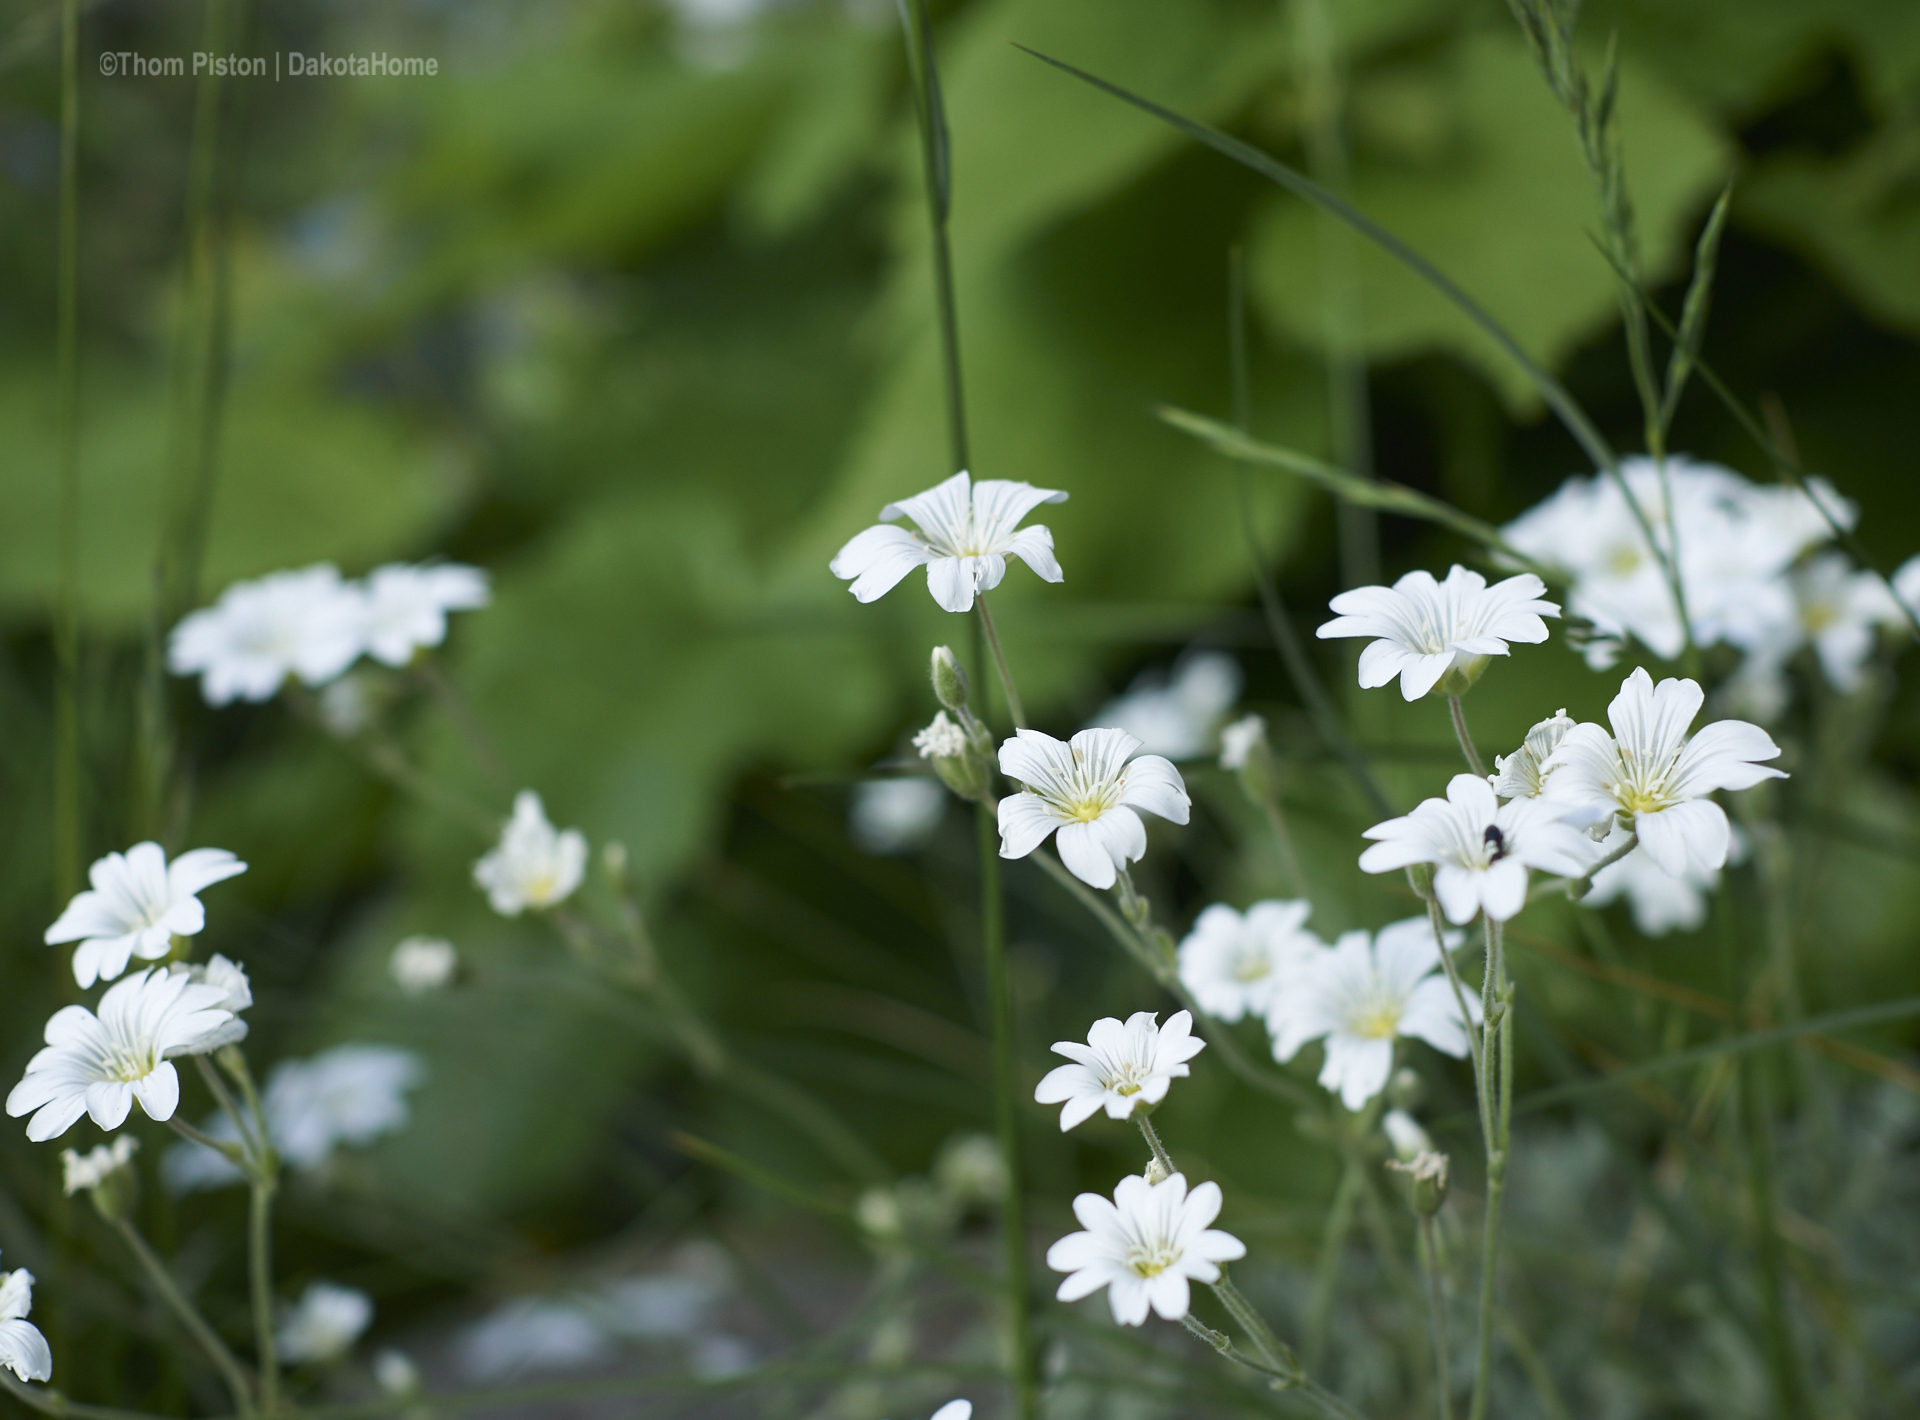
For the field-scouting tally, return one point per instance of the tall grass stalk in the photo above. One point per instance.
(66, 624)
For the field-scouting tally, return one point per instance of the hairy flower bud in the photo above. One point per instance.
(1426, 1181)
(961, 754)
(950, 686)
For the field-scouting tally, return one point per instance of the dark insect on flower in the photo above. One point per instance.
(1497, 841)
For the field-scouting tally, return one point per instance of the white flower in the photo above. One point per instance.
(423, 964)
(896, 815)
(1660, 902)
(1120, 1067)
(1087, 790)
(1650, 772)
(534, 866)
(1409, 1140)
(93, 1168)
(954, 1410)
(1361, 994)
(395, 1373)
(1144, 1247)
(1233, 964)
(230, 979)
(23, 1350)
(531, 1334)
(1841, 613)
(98, 1065)
(1906, 583)
(1518, 774)
(137, 905)
(325, 1324)
(1176, 715)
(405, 608)
(1480, 848)
(942, 739)
(1428, 628)
(351, 1094)
(1237, 741)
(307, 623)
(967, 532)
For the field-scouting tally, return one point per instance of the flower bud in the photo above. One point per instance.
(107, 1175)
(949, 680)
(1245, 751)
(962, 758)
(1426, 1181)
(1157, 1172)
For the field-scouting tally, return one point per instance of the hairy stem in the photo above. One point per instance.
(1160, 1155)
(260, 1273)
(1497, 1056)
(224, 1361)
(992, 633)
(1461, 733)
(1326, 1273)
(1429, 1248)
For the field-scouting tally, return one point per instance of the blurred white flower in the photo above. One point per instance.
(1144, 1246)
(1650, 772)
(405, 607)
(91, 1169)
(307, 623)
(1906, 583)
(966, 533)
(351, 1094)
(1409, 1140)
(971, 1171)
(1120, 1067)
(534, 866)
(324, 1324)
(23, 1350)
(395, 1373)
(954, 1410)
(1176, 714)
(422, 964)
(98, 1065)
(1841, 612)
(137, 905)
(896, 815)
(1660, 902)
(1480, 848)
(1362, 994)
(1233, 964)
(1517, 775)
(1427, 628)
(531, 1334)
(1237, 741)
(230, 978)
(347, 706)
(1086, 789)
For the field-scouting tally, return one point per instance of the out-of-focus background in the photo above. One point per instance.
(630, 305)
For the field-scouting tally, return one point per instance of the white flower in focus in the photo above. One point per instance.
(1120, 1067)
(1144, 1246)
(1237, 741)
(1176, 715)
(324, 1325)
(1428, 628)
(423, 964)
(534, 866)
(230, 979)
(1086, 789)
(967, 531)
(98, 1065)
(942, 739)
(23, 1350)
(1362, 994)
(1409, 1140)
(307, 623)
(137, 905)
(1517, 775)
(1480, 849)
(1649, 772)
(91, 1169)
(405, 608)
(896, 815)
(1233, 964)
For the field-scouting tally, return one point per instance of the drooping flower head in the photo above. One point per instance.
(1144, 1247)
(1427, 629)
(1121, 1067)
(406, 607)
(97, 1165)
(324, 1324)
(967, 531)
(1517, 775)
(137, 905)
(1362, 994)
(98, 1065)
(534, 865)
(23, 1350)
(1480, 849)
(1648, 772)
(307, 623)
(1233, 963)
(1088, 790)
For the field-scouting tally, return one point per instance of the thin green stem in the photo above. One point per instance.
(66, 763)
(1026, 1395)
(1160, 1155)
(1783, 1361)
(224, 1361)
(1496, 1044)
(1429, 1248)
(1584, 882)
(260, 1273)
(1460, 732)
(1326, 1273)
(937, 170)
(1466, 1019)
(1283, 837)
(47, 1401)
(992, 633)
(224, 1098)
(1255, 1325)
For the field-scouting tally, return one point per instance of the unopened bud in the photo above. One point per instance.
(1426, 1181)
(1157, 1172)
(949, 680)
(961, 759)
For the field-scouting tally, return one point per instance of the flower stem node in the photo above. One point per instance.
(950, 686)
(1426, 1181)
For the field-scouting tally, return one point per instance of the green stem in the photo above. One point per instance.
(47, 1401)
(992, 633)
(224, 1361)
(1497, 1043)
(1585, 881)
(1026, 1395)
(1283, 836)
(1461, 733)
(260, 1271)
(1255, 1325)
(1436, 1315)
(937, 171)
(1783, 1362)
(1160, 1155)
(66, 633)
(1326, 1273)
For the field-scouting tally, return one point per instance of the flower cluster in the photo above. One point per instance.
(314, 624)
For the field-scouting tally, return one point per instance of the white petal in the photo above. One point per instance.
(1694, 832)
(1025, 822)
(950, 579)
(1034, 546)
(1085, 856)
(1153, 784)
(1458, 890)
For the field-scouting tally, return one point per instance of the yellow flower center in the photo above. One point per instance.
(1252, 967)
(1624, 560)
(1376, 1022)
(1151, 1260)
